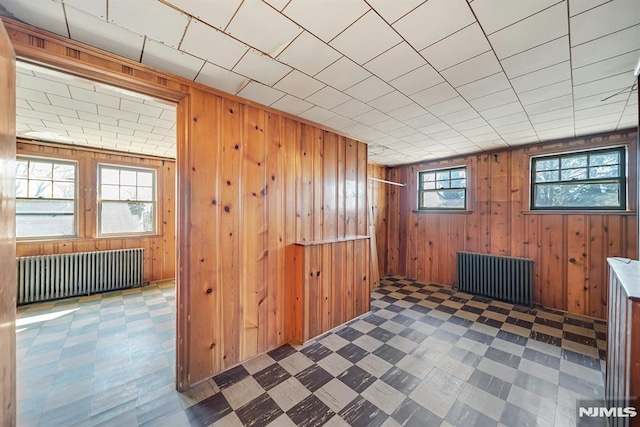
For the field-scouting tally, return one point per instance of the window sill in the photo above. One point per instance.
(442, 211)
(81, 239)
(578, 212)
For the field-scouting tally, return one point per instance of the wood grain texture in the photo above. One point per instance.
(378, 195)
(7, 231)
(570, 248)
(159, 249)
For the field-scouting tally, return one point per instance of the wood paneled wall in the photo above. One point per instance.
(159, 249)
(569, 248)
(378, 193)
(253, 183)
(7, 231)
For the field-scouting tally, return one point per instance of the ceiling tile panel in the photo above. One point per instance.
(604, 86)
(554, 124)
(261, 68)
(537, 58)
(502, 110)
(371, 117)
(617, 65)
(494, 100)
(95, 97)
(474, 69)
(467, 125)
(422, 121)
(497, 14)
(603, 20)
(580, 6)
(458, 47)
(338, 122)
(509, 120)
(163, 57)
(326, 19)
(299, 84)
(546, 76)
(561, 113)
(417, 80)
(407, 112)
(260, 93)
(208, 43)
(395, 62)
(45, 14)
(391, 11)
(615, 44)
(318, 114)
(615, 108)
(550, 105)
(449, 106)
(485, 86)
(545, 93)
(461, 115)
(343, 74)
(352, 108)
(390, 102)
(369, 89)
(221, 78)
(328, 98)
(97, 8)
(434, 95)
(214, 12)
(308, 54)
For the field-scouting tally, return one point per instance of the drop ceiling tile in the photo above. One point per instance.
(554, 124)
(602, 20)
(217, 13)
(546, 76)
(510, 119)
(167, 59)
(261, 68)
(494, 15)
(458, 47)
(278, 4)
(260, 26)
(343, 74)
(391, 11)
(325, 19)
(52, 109)
(471, 124)
(299, 84)
(97, 8)
(60, 126)
(615, 44)
(434, 128)
(220, 78)
(152, 18)
(445, 134)
(537, 58)
(599, 120)
(395, 62)
(61, 101)
(24, 94)
(494, 100)
(485, 86)
(415, 138)
(42, 85)
(518, 135)
(371, 117)
(162, 131)
(502, 110)
(545, 93)
(417, 80)
(45, 14)
(514, 128)
(558, 133)
(550, 105)
(441, 17)
(128, 124)
(370, 27)
(407, 112)
(94, 97)
(369, 89)
(599, 99)
(481, 134)
(604, 86)
(449, 106)
(590, 130)
(156, 122)
(434, 95)
(352, 108)
(422, 121)
(404, 132)
(474, 69)
(561, 113)
(317, 114)
(308, 54)
(580, 6)
(388, 125)
(328, 98)
(360, 130)
(338, 122)
(260, 93)
(208, 43)
(536, 30)
(99, 33)
(390, 102)
(624, 63)
(461, 115)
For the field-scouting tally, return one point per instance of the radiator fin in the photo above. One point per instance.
(503, 278)
(50, 277)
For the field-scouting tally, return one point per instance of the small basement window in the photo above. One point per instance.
(583, 180)
(442, 189)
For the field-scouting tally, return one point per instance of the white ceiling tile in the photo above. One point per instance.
(545, 93)
(407, 112)
(371, 117)
(379, 36)
(471, 124)
(422, 121)
(579, 6)
(590, 130)
(62, 101)
(434, 128)
(599, 99)
(261, 68)
(220, 78)
(494, 100)
(514, 128)
(308, 54)
(509, 120)
(156, 122)
(152, 18)
(94, 97)
(536, 30)
(415, 138)
(606, 47)
(328, 18)
(208, 43)
(485, 86)
(440, 17)
(546, 76)
(440, 136)
(417, 80)
(462, 115)
(605, 19)
(328, 98)
(494, 15)
(299, 84)
(449, 106)
(45, 14)
(554, 124)
(317, 114)
(278, 4)
(598, 120)
(434, 95)
(338, 122)
(291, 105)
(170, 60)
(502, 110)
(52, 109)
(352, 108)
(119, 114)
(458, 47)
(260, 93)
(42, 85)
(395, 62)
(214, 12)
(129, 124)
(390, 102)
(561, 113)
(260, 26)
(474, 69)
(103, 35)
(550, 105)
(620, 64)
(97, 8)
(388, 125)
(479, 134)
(25, 94)
(537, 58)
(343, 74)
(549, 135)
(369, 89)
(604, 86)
(169, 114)
(405, 132)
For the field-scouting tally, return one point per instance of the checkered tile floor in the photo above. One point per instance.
(425, 356)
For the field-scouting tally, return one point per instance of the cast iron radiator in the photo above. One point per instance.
(49, 277)
(503, 278)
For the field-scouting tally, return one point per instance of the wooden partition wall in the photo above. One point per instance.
(159, 249)
(569, 248)
(378, 193)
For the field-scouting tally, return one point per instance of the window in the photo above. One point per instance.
(45, 198)
(584, 180)
(126, 200)
(442, 189)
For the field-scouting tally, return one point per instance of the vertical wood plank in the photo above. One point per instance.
(577, 283)
(351, 188)
(317, 217)
(329, 186)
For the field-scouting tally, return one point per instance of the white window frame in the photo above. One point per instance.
(420, 191)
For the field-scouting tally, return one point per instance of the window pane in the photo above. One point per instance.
(21, 187)
(40, 189)
(448, 199)
(429, 177)
(41, 170)
(572, 174)
(547, 176)
(604, 172)
(430, 185)
(127, 193)
(110, 176)
(604, 159)
(127, 177)
(126, 217)
(110, 192)
(145, 179)
(64, 190)
(460, 173)
(458, 183)
(574, 161)
(44, 218)
(442, 175)
(545, 165)
(577, 195)
(443, 184)
(21, 169)
(145, 193)
(64, 172)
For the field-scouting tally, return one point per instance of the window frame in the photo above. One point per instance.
(100, 200)
(420, 191)
(621, 180)
(76, 183)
